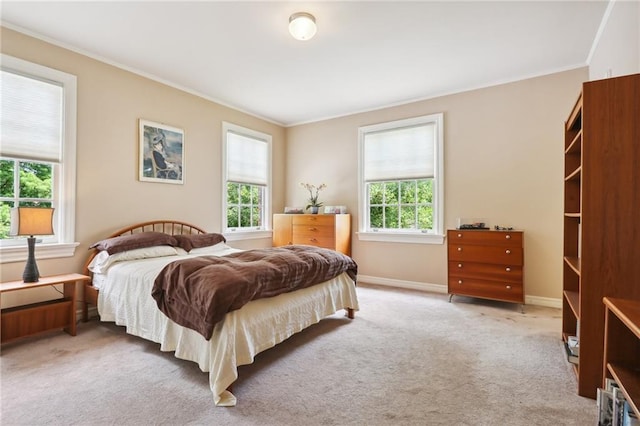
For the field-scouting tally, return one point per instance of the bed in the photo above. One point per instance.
(122, 294)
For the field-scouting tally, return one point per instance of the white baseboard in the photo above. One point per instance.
(412, 285)
(543, 301)
(92, 312)
(439, 288)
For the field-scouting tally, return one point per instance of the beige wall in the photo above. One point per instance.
(503, 161)
(617, 51)
(503, 158)
(109, 195)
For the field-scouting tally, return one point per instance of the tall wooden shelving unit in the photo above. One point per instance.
(601, 215)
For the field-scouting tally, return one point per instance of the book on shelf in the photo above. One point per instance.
(629, 417)
(604, 401)
(574, 345)
(613, 408)
(571, 357)
(618, 407)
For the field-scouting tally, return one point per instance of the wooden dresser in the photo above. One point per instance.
(332, 231)
(486, 264)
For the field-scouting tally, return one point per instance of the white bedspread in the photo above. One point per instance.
(125, 298)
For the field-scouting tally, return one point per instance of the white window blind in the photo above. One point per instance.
(32, 118)
(400, 153)
(247, 159)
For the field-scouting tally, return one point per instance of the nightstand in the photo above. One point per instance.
(26, 320)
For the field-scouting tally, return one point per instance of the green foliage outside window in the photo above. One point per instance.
(244, 205)
(404, 204)
(34, 188)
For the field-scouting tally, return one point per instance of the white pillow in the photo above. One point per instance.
(216, 248)
(103, 260)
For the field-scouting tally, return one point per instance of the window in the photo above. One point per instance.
(247, 182)
(401, 180)
(37, 153)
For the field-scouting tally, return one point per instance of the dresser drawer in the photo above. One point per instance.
(496, 290)
(503, 255)
(313, 230)
(315, 240)
(313, 220)
(506, 238)
(486, 271)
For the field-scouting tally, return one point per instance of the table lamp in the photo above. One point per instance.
(31, 221)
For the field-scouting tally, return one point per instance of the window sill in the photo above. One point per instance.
(392, 237)
(44, 251)
(247, 235)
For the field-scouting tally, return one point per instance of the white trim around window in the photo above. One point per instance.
(436, 234)
(65, 188)
(262, 178)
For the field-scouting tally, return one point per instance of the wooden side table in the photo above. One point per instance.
(27, 320)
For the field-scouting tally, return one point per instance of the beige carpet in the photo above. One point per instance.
(409, 358)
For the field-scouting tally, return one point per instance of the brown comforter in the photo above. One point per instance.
(198, 292)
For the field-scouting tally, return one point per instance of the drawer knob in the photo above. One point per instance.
(508, 237)
(507, 269)
(459, 235)
(459, 248)
(459, 265)
(508, 287)
(459, 281)
(508, 251)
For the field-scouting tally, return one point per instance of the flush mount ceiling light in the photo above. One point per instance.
(302, 25)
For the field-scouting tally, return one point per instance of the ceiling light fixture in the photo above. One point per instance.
(302, 26)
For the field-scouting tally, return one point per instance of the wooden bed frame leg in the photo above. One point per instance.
(351, 313)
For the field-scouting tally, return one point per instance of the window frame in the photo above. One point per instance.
(233, 234)
(62, 244)
(365, 232)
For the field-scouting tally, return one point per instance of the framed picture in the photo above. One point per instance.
(161, 153)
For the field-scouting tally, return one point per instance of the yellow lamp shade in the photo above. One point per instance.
(31, 221)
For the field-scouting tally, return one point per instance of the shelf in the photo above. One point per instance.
(575, 119)
(573, 298)
(575, 174)
(576, 144)
(574, 263)
(628, 311)
(622, 346)
(628, 380)
(27, 320)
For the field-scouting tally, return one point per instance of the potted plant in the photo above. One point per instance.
(313, 203)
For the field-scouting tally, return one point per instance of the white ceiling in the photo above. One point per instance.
(366, 55)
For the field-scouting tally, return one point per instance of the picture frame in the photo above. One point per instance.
(161, 153)
(294, 210)
(335, 209)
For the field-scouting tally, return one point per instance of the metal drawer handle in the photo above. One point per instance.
(508, 237)
(508, 287)
(459, 265)
(508, 269)
(459, 281)
(508, 251)
(459, 248)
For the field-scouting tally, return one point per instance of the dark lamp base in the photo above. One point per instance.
(31, 274)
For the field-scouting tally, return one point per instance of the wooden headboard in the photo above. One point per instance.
(171, 227)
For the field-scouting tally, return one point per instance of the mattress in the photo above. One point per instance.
(125, 298)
